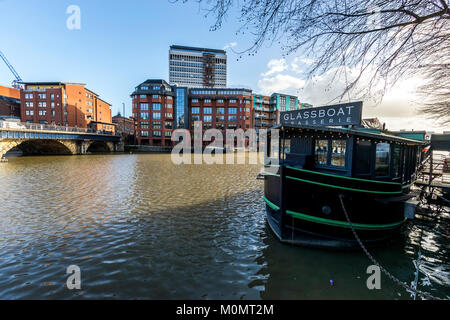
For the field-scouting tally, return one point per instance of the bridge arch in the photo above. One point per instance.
(38, 146)
(100, 147)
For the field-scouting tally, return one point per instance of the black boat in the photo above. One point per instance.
(322, 171)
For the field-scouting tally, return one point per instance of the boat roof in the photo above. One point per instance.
(353, 131)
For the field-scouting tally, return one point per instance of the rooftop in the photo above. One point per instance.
(177, 47)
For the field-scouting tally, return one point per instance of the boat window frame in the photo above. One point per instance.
(375, 161)
(328, 166)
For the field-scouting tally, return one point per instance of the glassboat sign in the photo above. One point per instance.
(336, 115)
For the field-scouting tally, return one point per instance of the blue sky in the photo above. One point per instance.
(120, 43)
(123, 43)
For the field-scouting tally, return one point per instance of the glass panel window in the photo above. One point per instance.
(157, 133)
(207, 110)
(156, 125)
(396, 161)
(168, 125)
(195, 100)
(196, 110)
(232, 110)
(220, 110)
(363, 157)
(207, 100)
(157, 115)
(144, 106)
(220, 101)
(382, 160)
(144, 133)
(144, 125)
(195, 118)
(144, 115)
(207, 118)
(156, 106)
(168, 133)
(321, 151)
(143, 96)
(338, 153)
(232, 118)
(220, 118)
(155, 96)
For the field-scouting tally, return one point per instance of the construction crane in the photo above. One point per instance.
(16, 83)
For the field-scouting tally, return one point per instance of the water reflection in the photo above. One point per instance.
(140, 227)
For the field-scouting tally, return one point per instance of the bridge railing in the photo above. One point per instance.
(47, 127)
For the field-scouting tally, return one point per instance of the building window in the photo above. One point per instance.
(29, 104)
(196, 110)
(144, 88)
(156, 88)
(194, 100)
(42, 112)
(157, 133)
(220, 111)
(232, 118)
(29, 112)
(232, 100)
(220, 101)
(168, 133)
(156, 125)
(156, 106)
(157, 115)
(207, 100)
(169, 115)
(232, 110)
(42, 104)
(144, 133)
(143, 96)
(169, 106)
(28, 96)
(195, 118)
(155, 96)
(207, 110)
(144, 115)
(168, 125)
(207, 118)
(42, 96)
(144, 106)
(144, 125)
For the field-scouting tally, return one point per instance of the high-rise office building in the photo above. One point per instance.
(197, 67)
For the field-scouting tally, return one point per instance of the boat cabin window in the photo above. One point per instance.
(321, 151)
(330, 152)
(396, 161)
(363, 156)
(382, 159)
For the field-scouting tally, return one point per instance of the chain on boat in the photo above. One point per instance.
(371, 258)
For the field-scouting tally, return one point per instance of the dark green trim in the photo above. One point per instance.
(342, 177)
(343, 188)
(335, 223)
(270, 204)
(344, 224)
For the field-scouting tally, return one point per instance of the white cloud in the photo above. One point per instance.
(230, 45)
(275, 66)
(307, 61)
(295, 67)
(281, 83)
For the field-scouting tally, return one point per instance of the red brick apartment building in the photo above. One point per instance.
(221, 109)
(125, 127)
(153, 110)
(9, 102)
(64, 104)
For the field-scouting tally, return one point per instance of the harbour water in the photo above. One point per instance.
(140, 227)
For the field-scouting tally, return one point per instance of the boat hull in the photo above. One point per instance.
(314, 215)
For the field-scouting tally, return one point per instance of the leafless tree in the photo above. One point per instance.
(382, 40)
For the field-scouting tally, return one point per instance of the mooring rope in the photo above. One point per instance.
(371, 258)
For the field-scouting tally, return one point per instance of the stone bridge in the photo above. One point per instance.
(47, 141)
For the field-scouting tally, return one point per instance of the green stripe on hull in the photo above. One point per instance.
(343, 188)
(335, 223)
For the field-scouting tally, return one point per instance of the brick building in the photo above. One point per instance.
(125, 127)
(9, 102)
(63, 103)
(153, 109)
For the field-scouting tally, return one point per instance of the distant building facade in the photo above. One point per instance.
(125, 127)
(197, 67)
(159, 108)
(63, 104)
(9, 103)
(153, 110)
